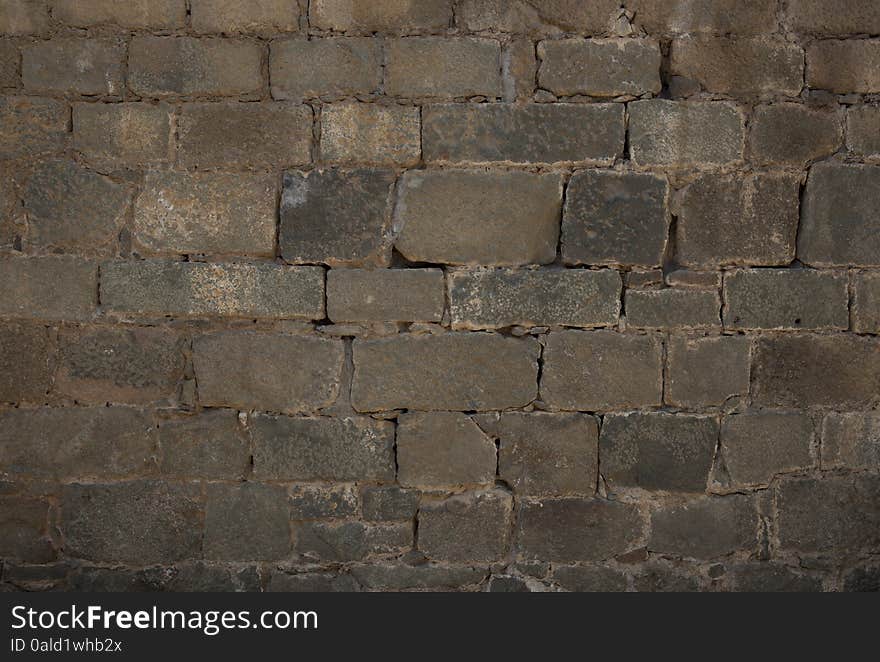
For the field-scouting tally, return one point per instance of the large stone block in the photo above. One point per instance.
(851, 440)
(704, 16)
(370, 133)
(757, 446)
(673, 308)
(24, 529)
(24, 17)
(844, 67)
(50, 288)
(820, 17)
(26, 363)
(380, 15)
(474, 526)
(793, 134)
(31, 126)
(706, 528)
(210, 445)
(318, 502)
(530, 17)
(352, 541)
(863, 130)
(302, 69)
(231, 16)
(138, 14)
(375, 295)
(123, 133)
(707, 371)
(246, 522)
(73, 65)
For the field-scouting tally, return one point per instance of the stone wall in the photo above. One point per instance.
(422, 294)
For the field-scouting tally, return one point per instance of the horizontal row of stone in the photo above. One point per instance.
(660, 17)
(145, 522)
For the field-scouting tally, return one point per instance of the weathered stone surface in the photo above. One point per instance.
(136, 522)
(123, 133)
(658, 451)
(615, 218)
(329, 449)
(230, 16)
(570, 530)
(24, 529)
(389, 504)
(598, 370)
(600, 67)
(839, 222)
(31, 126)
(370, 133)
(318, 501)
(806, 370)
(706, 528)
(844, 67)
(26, 363)
(672, 308)
(545, 17)
(71, 208)
(51, 288)
(760, 445)
(9, 64)
(383, 16)
(478, 217)
(704, 16)
(351, 541)
(750, 219)
(24, 17)
(865, 579)
(138, 14)
(793, 134)
(837, 514)
(199, 289)
(215, 213)
(449, 371)
(786, 299)
(209, 445)
(762, 577)
(311, 582)
(707, 371)
(824, 18)
(863, 130)
(305, 69)
(684, 134)
(200, 577)
(245, 134)
(75, 65)
(373, 295)
(267, 372)
(358, 202)
(443, 67)
(443, 449)
(488, 299)
(548, 133)
(426, 576)
(519, 69)
(168, 66)
(246, 522)
(851, 440)
(474, 526)
(587, 579)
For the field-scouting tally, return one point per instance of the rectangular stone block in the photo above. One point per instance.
(820, 17)
(331, 67)
(255, 135)
(757, 446)
(548, 133)
(863, 130)
(318, 502)
(527, 16)
(200, 289)
(246, 522)
(31, 126)
(494, 298)
(370, 133)
(707, 371)
(601, 370)
(231, 16)
(139, 14)
(377, 295)
(24, 530)
(443, 67)
(381, 16)
(125, 133)
(326, 449)
(24, 17)
(704, 16)
(519, 69)
(26, 363)
(478, 217)
(839, 222)
(706, 528)
(289, 374)
(866, 302)
(50, 288)
(10, 70)
(389, 504)
(74, 65)
(786, 299)
(844, 67)
(599, 67)
(851, 440)
(206, 213)
(448, 371)
(474, 526)
(211, 445)
(793, 134)
(170, 66)
(685, 134)
(672, 308)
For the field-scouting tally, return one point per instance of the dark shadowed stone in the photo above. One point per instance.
(706, 370)
(760, 445)
(319, 501)
(863, 580)
(851, 440)
(210, 445)
(866, 302)
(199, 577)
(793, 134)
(351, 541)
(246, 522)
(474, 526)
(24, 529)
(312, 582)
(706, 528)
(429, 576)
(771, 578)
(592, 579)
(389, 504)
(26, 362)
(660, 577)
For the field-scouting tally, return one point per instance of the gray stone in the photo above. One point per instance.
(24, 530)
(352, 541)
(474, 526)
(319, 501)
(706, 528)
(757, 446)
(771, 578)
(123, 133)
(707, 371)
(50, 288)
(31, 126)
(851, 440)
(530, 17)
(302, 69)
(863, 130)
(311, 582)
(866, 302)
(246, 522)
(793, 134)
(672, 308)
(26, 363)
(844, 66)
(375, 295)
(74, 65)
(389, 504)
(589, 579)
(384, 16)
(370, 133)
(210, 445)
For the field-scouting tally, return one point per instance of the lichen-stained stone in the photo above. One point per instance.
(327, 449)
(305, 69)
(374, 295)
(246, 522)
(576, 529)
(598, 370)
(706, 371)
(212, 213)
(683, 134)
(137, 14)
(24, 17)
(658, 451)
(425, 576)
(336, 217)
(75, 65)
(32, 126)
(615, 218)
(844, 67)
(283, 373)
(786, 299)
(547, 133)
(26, 362)
(841, 216)
(244, 135)
(370, 133)
(24, 529)
(463, 371)
(72, 208)
(706, 528)
(380, 15)
(704, 16)
(756, 446)
(672, 308)
(863, 130)
(136, 522)
(351, 541)
(478, 217)
(123, 133)
(210, 445)
(443, 449)
(487, 299)
(317, 502)
(443, 67)
(49, 288)
(202, 289)
(474, 526)
(389, 504)
(866, 302)
(851, 440)
(600, 67)
(823, 18)
(531, 17)
(793, 134)
(735, 219)
(77, 443)
(811, 370)
(231, 16)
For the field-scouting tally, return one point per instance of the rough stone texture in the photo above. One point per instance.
(31, 126)
(123, 133)
(470, 527)
(24, 524)
(844, 67)
(369, 133)
(50, 288)
(74, 65)
(351, 541)
(763, 577)
(706, 528)
(478, 217)
(137, 14)
(247, 521)
(598, 370)
(705, 16)
(386, 16)
(757, 446)
(584, 579)
(488, 299)
(24, 17)
(374, 295)
(428, 576)
(210, 445)
(443, 67)
(851, 440)
(863, 130)
(229, 16)
(866, 302)
(792, 134)
(599, 67)
(26, 363)
(820, 17)
(301, 69)
(672, 308)
(9, 64)
(389, 504)
(317, 502)
(706, 371)
(529, 16)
